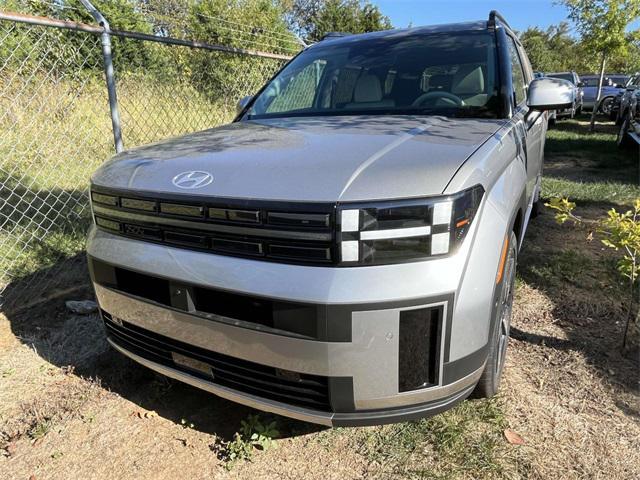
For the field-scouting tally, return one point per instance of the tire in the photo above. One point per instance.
(489, 382)
(605, 106)
(622, 140)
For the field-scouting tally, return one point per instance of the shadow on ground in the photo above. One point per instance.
(577, 155)
(578, 275)
(78, 344)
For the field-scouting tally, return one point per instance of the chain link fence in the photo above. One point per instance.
(56, 124)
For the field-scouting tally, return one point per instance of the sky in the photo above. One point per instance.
(519, 13)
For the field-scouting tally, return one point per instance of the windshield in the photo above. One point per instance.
(563, 76)
(403, 74)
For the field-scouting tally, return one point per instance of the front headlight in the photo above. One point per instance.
(405, 230)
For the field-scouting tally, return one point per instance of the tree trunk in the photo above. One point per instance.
(599, 92)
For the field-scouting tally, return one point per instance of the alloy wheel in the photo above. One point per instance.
(506, 308)
(606, 106)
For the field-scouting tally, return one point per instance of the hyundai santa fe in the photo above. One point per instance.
(344, 252)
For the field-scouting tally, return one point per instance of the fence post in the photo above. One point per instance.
(109, 73)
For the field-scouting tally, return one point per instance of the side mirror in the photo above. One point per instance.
(242, 103)
(619, 85)
(581, 85)
(550, 94)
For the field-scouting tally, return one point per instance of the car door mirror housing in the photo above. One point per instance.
(242, 103)
(581, 85)
(550, 94)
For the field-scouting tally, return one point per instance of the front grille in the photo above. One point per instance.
(278, 231)
(309, 391)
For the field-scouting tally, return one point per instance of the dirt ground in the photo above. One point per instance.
(71, 407)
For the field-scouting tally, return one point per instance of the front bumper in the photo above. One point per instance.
(363, 366)
(363, 418)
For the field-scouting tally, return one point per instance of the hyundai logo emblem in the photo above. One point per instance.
(192, 179)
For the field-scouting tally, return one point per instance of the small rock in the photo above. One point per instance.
(81, 307)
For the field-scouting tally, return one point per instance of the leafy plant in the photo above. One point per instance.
(259, 435)
(253, 435)
(621, 232)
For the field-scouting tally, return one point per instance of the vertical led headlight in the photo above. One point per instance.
(405, 230)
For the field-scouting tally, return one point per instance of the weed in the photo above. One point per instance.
(253, 435)
(184, 424)
(40, 429)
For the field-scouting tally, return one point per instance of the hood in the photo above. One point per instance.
(307, 159)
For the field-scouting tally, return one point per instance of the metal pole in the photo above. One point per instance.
(109, 73)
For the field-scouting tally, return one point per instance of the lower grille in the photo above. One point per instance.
(310, 391)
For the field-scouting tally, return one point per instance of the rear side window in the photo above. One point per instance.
(519, 83)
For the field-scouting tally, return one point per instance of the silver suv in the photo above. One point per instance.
(344, 252)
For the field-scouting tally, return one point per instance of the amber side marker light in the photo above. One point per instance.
(462, 223)
(503, 258)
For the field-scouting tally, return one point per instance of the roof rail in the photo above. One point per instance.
(331, 35)
(495, 15)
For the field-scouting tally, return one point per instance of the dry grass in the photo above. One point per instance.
(72, 408)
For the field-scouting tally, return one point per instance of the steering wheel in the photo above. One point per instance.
(431, 98)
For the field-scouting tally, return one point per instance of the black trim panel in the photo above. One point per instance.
(404, 414)
(458, 369)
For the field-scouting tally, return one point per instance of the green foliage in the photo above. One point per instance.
(259, 435)
(602, 24)
(556, 50)
(313, 19)
(564, 209)
(253, 435)
(553, 49)
(622, 233)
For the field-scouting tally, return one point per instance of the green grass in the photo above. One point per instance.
(590, 192)
(465, 442)
(53, 136)
(589, 167)
(553, 269)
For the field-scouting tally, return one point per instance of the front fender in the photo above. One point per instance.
(502, 173)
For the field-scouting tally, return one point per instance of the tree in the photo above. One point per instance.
(553, 49)
(602, 25)
(248, 24)
(313, 19)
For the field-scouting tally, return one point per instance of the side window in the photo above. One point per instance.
(519, 83)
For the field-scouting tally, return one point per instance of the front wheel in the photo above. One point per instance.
(489, 382)
(606, 106)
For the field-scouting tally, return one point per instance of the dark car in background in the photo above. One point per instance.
(574, 78)
(623, 99)
(629, 131)
(611, 86)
